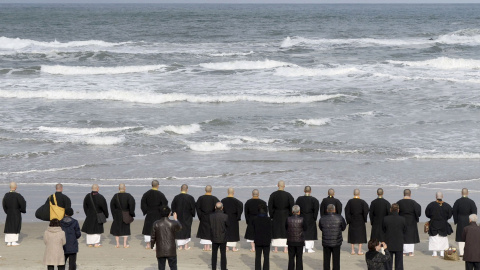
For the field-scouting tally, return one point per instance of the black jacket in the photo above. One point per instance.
(332, 226)
(376, 260)
(218, 226)
(163, 237)
(262, 227)
(72, 233)
(296, 227)
(394, 227)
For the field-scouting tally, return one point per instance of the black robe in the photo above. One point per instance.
(411, 211)
(251, 211)
(234, 209)
(330, 200)
(439, 214)
(280, 206)
(151, 203)
(394, 227)
(379, 208)
(462, 208)
(90, 225)
(121, 202)
(356, 212)
(309, 207)
(205, 206)
(62, 200)
(184, 205)
(13, 205)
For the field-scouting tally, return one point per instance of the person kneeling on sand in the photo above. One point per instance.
(377, 255)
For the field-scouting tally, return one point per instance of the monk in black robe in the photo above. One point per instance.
(356, 213)
(151, 204)
(13, 205)
(94, 203)
(309, 207)
(251, 211)
(280, 206)
(184, 206)
(439, 212)
(411, 211)
(234, 209)
(330, 200)
(63, 200)
(462, 209)
(121, 201)
(205, 206)
(379, 208)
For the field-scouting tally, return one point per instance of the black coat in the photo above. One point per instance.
(251, 211)
(262, 230)
(471, 235)
(121, 202)
(218, 226)
(72, 232)
(411, 211)
(376, 260)
(439, 214)
(379, 208)
(462, 208)
(394, 228)
(332, 225)
(280, 206)
(330, 200)
(151, 203)
(356, 212)
(234, 209)
(309, 207)
(13, 205)
(184, 205)
(296, 228)
(91, 225)
(205, 206)
(163, 237)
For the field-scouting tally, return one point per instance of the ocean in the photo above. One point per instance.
(240, 95)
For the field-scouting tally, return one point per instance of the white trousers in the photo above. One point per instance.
(461, 247)
(437, 243)
(279, 242)
(408, 248)
(182, 242)
(309, 244)
(11, 237)
(232, 244)
(93, 239)
(205, 242)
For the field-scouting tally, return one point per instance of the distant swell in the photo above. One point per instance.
(181, 130)
(78, 70)
(245, 65)
(443, 63)
(449, 156)
(154, 98)
(81, 131)
(312, 72)
(18, 43)
(356, 42)
(45, 170)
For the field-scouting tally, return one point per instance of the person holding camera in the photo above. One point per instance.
(377, 255)
(394, 227)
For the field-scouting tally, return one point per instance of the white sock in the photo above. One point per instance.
(434, 253)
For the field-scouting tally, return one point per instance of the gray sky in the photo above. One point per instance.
(243, 1)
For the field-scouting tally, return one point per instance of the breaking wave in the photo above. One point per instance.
(18, 43)
(81, 131)
(181, 130)
(79, 70)
(442, 63)
(245, 65)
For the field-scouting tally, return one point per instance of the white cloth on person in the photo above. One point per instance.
(279, 242)
(93, 239)
(232, 244)
(461, 248)
(205, 242)
(11, 237)
(182, 242)
(408, 248)
(438, 243)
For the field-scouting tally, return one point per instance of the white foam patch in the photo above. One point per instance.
(245, 65)
(230, 54)
(467, 36)
(449, 156)
(315, 122)
(18, 43)
(269, 148)
(181, 130)
(81, 131)
(155, 98)
(442, 63)
(314, 72)
(356, 42)
(209, 146)
(249, 139)
(79, 70)
(45, 170)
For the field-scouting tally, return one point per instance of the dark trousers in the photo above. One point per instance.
(295, 257)
(172, 262)
(258, 257)
(59, 267)
(72, 261)
(472, 265)
(223, 255)
(327, 254)
(398, 260)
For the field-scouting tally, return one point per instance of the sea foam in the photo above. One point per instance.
(245, 65)
(18, 43)
(442, 63)
(81, 131)
(181, 130)
(312, 72)
(355, 42)
(209, 146)
(315, 122)
(79, 70)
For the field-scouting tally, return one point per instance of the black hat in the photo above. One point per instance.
(69, 212)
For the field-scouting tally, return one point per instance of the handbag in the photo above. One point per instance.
(426, 227)
(126, 218)
(100, 216)
(43, 212)
(56, 212)
(451, 254)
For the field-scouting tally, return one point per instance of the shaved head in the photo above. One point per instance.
(59, 187)
(281, 184)
(356, 192)
(380, 192)
(155, 184)
(208, 189)
(231, 191)
(331, 192)
(255, 193)
(95, 187)
(121, 187)
(308, 189)
(13, 186)
(184, 188)
(464, 191)
(407, 193)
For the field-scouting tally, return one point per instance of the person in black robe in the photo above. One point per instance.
(205, 206)
(330, 200)
(151, 204)
(13, 205)
(62, 199)
(309, 211)
(379, 208)
(121, 201)
(439, 212)
(411, 211)
(251, 211)
(184, 206)
(94, 203)
(394, 227)
(356, 213)
(234, 209)
(462, 209)
(280, 206)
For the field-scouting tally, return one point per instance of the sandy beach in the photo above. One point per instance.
(30, 254)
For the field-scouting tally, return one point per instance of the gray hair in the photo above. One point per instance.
(473, 218)
(331, 208)
(218, 205)
(296, 209)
